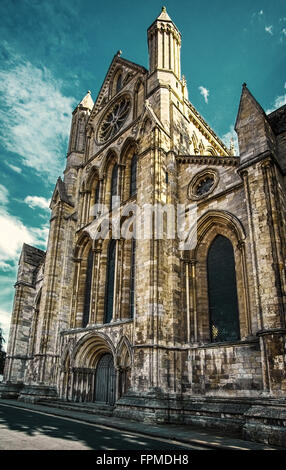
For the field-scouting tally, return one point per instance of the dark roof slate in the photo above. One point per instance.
(61, 189)
(32, 255)
(277, 120)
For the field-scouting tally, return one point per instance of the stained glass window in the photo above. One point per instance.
(205, 185)
(114, 119)
(113, 191)
(133, 171)
(96, 198)
(110, 275)
(222, 291)
(87, 294)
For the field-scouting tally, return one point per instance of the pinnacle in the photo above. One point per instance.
(87, 101)
(164, 15)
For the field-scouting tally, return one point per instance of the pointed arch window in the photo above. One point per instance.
(113, 191)
(96, 194)
(133, 178)
(87, 294)
(110, 276)
(96, 198)
(222, 291)
(132, 278)
(119, 83)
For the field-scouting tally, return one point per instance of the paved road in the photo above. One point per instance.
(32, 430)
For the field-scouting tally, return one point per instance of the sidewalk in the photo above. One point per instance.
(181, 433)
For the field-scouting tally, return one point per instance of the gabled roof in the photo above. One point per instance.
(32, 255)
(117, 61)
(60, 188)
(246, 94)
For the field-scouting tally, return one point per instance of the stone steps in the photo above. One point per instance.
(102, 409)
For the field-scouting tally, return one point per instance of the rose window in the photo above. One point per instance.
(204, 185)
(114, 119)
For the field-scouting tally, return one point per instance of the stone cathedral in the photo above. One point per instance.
(139, 327)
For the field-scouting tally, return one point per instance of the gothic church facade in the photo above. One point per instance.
(155, 332)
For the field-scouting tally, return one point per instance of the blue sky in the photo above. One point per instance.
(52, 52)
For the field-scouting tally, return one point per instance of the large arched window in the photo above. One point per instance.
(133, 171)
(132, 278)
(110, 275)
(96, 199)
(222, 291)
(113, 189)
(87, 293)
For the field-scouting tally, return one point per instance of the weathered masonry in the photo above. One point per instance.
(159, 333)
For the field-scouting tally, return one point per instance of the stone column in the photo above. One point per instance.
(193, 302)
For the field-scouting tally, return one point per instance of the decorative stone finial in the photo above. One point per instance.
(232, 146)
(164, 9)
(119, 53)
(89, 92)
(244, 85)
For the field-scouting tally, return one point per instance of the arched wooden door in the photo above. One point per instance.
(105, 380)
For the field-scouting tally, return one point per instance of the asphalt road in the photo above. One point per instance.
(32, 430)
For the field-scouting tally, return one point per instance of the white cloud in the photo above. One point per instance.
(37, 201)
(4, 194)
(284, 31)
(269, 29)
(229, 137)
(5, 266)
(36, 118)
(204, 92)
(260, 12)
(278, 102)
(5, 319)
(14, 168)
(13, 235)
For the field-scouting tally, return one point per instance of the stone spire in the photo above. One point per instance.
(164, 43)
(87, 101)
(164, 15)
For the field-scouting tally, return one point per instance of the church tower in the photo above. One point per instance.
(164, 43)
